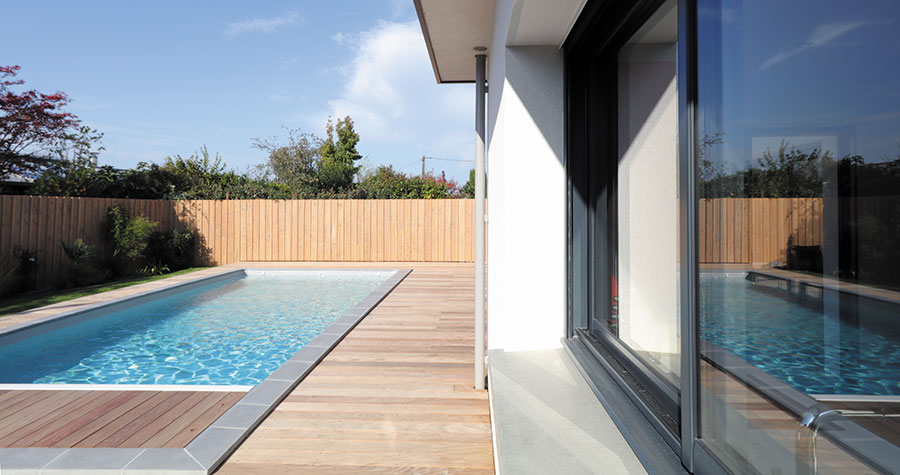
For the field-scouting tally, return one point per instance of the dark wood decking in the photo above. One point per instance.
(134, 419)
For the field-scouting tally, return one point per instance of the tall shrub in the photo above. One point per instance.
(127, 238)
(83, 266)
(174, 249)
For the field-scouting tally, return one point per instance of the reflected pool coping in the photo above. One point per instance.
(212, 446)
(845, 433)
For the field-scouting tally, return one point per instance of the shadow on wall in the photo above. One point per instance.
(188, 218)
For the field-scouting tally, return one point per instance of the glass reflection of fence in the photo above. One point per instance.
(755, 231)
(759, 231)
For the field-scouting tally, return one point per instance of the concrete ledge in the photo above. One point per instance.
(548, 420)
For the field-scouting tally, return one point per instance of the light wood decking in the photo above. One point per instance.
(83, 419)
(395, 396)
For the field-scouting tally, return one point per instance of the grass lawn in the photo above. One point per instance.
(25, 302)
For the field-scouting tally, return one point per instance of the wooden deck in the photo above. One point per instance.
(395, 396)
(132, 419)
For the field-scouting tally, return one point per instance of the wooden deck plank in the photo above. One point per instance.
(169, 402)
(194, 426)
(205, 419)
(84, 419)
(109, 418)
(19, 400)
(162, 418)
(12, 422)
(123, 420)
(50, 423)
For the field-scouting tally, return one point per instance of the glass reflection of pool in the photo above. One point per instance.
(232, 332)
(794, 342)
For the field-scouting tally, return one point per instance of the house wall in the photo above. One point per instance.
(526, 187)
(648, 202)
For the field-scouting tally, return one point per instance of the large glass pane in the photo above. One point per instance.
(647, 196)
(799, 234)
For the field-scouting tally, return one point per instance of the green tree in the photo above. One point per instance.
(387, 183)
(468, 189)
(785, 173)
(338, 155)
(294, 164)
(75, 172)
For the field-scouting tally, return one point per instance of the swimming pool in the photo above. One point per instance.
(789, 338)
(234, 331)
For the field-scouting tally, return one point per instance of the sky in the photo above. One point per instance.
(826, 77)
(164, 78)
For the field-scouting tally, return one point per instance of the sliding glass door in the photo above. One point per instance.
(798, 140)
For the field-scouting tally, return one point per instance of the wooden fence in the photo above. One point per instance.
(755, 231)
(251, 230)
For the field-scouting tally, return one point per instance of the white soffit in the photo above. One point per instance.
(542, 22)
(452, 29)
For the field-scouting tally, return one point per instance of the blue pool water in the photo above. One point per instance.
(234, 332)
(795, 342)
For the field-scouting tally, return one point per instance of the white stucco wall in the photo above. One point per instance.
(648, 203)
(526, 193)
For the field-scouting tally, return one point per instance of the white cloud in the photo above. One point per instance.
(340, 38)
(262, 25)
(821, 35)
(391, 93)
(400, 8)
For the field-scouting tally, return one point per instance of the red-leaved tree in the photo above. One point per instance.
(32, 124)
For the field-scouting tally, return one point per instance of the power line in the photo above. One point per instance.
(404, 167)
(448, 159)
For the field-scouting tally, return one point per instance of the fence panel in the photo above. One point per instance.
(756, 231)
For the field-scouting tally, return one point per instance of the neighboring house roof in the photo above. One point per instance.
(452, 29)
(15, 178)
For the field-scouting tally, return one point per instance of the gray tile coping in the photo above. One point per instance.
(212, 446)
(91, 461)
(170, 461)
(26, 461)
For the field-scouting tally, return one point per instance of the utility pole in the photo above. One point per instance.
(423, 167)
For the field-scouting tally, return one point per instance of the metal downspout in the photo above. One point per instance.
(480, 85)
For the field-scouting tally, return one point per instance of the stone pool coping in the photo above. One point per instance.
(212, 446)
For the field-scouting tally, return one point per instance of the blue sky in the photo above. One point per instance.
(826, 77)
(163, 78)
